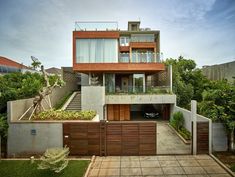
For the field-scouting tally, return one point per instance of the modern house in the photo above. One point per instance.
(122, 70)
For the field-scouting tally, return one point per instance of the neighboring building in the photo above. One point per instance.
(220, 71)
(9, 66)
(54, 71)
(121, 70)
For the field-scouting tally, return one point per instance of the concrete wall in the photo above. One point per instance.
(140, 99)
(21, 141)
(221, 71)
(93, 98)
(219, 137)
(187, 117)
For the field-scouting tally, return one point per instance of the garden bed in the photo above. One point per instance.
(20, 168)
(186, 141)
(64, 115)
(228, 158)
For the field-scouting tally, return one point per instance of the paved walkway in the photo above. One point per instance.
(159, 166)
(168, 142)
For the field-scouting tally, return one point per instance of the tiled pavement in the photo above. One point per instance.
(160, 166)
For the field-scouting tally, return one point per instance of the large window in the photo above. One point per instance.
(96, 50)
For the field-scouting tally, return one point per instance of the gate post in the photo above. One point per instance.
(194, 127)
(102, 137)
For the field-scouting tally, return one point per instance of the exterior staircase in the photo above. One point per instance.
(75, 102)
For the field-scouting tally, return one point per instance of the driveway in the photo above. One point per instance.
(168, 142)
(159, 166)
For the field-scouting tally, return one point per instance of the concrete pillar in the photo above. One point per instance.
(194, 120)
(89, 79)
(170, 71)
(103, 79)
(144, 84)
(210, 136)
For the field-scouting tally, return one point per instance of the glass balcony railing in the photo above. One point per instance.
(142, 38)
(96, 26)
(144, 57)
(138, 90)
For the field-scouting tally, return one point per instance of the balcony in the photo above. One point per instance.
(138, 90)
(143, 57)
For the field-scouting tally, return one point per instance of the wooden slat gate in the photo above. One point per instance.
(202, 137)
(110, 138)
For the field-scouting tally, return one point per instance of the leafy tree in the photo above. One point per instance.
(35, 63)
(218, 104)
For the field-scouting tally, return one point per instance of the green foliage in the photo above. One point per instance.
(15, 86)
(62, 101)
(232, 167)
(54, 159)
(3, 125)
(177, 120)
(185, 133)
(65, 115)
(18, 85)
(188, 82)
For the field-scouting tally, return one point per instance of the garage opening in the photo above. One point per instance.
(145, 112)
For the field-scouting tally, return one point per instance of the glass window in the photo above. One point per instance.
(138, 82)
(96, 51)
(124, 41)
(110, 83)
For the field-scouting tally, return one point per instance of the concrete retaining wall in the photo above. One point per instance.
(26, 139)
(93, 98)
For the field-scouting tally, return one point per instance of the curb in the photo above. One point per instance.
(89, 166)
(222, 165)
(185, 141)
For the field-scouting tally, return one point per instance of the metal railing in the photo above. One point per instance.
(96, 26)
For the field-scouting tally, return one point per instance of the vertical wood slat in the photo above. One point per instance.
(110, 138)
(118, 112)
(202, 137)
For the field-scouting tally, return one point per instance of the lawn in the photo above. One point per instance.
(23, 168)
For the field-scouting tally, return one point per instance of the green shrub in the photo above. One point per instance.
(185, 133)
(177, 120)
(54, 159)
(232, 167)
(65, 115)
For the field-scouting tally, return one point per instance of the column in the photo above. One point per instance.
(194, 120)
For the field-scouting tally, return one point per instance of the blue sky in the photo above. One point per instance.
(203, 30)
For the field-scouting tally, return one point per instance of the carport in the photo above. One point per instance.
(139, 112)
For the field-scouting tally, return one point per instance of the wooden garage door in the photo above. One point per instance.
(118, 112)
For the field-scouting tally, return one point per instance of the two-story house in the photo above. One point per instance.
(122, 71)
